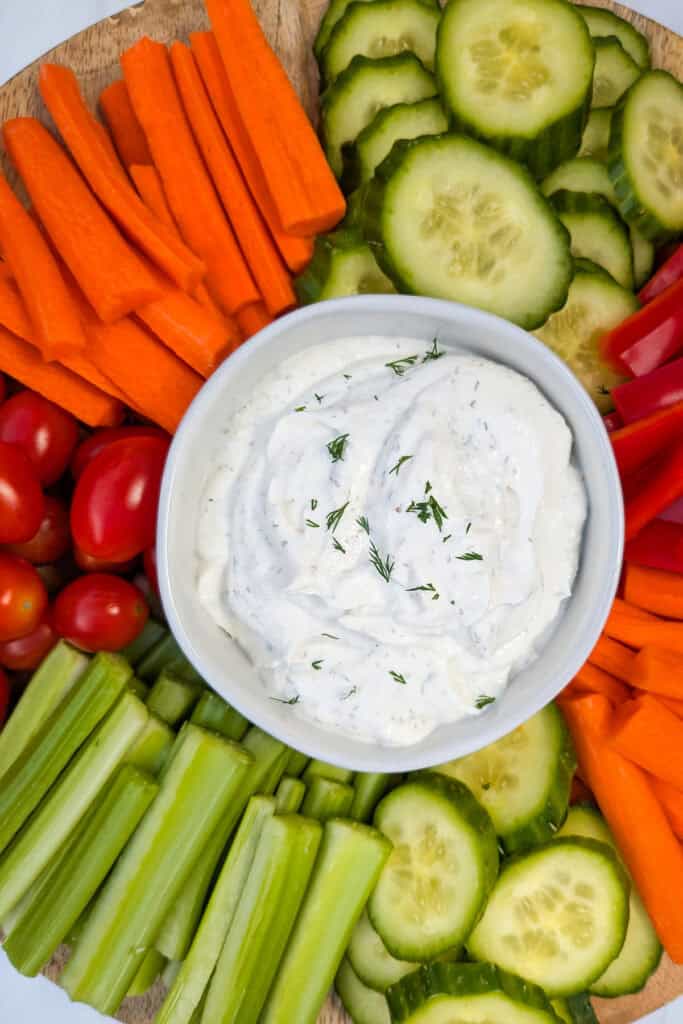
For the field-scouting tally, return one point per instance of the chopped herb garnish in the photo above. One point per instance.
(384, 567)
(468, 528)
(281, 700)
(447, 537)
(483, 701)
(347, 376)
(433, 352)
(430, 509)
(312, 523)
(314, 504)
(318, 397)
(364, 524)
(428, 487)
(317, 665)
(352, 691)
(398, 678)
(330, 636)
(300, 408)
(338, 546)
(428, 588)
(334, 517)
(336, 447)
(399, 366)
(471, 556)
(397, 468)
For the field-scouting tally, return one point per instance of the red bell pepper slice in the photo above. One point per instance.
(637, 443)
(668, 273)
(648, 338)
(661, 489)
(674, 513)
(642, 396)
(612, 421)
(659, 545)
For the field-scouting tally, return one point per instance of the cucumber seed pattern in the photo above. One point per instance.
(665, 157)
(565, 907)
(509, 63)
(422, 873)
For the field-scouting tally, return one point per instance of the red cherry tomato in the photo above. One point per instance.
(21, 499)
(149, 562)
(27, 652)
(53, 537)
(4, 697)
(89, 564)
(114, 507)
(47, 433)
(101, 439)
(100, 612)
(23, 597)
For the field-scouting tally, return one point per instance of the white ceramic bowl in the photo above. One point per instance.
(220, 662)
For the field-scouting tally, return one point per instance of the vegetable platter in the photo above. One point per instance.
(291, 28)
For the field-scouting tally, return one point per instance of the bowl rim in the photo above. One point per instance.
(377, 757)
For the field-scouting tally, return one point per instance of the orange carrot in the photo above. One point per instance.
(56, 325)
(658, 671)
(124, 126)
(621, 606)
(676, 706)
(612, 657)
(646, 732)
(253, 319)
(296, 252)
(264, 261)
(302, 186)
(644, 632)
(671, 800)
(644, 836)
(105, 139)
(112, 275)
(62, 96)
(200, 338)
(189, 190)
(654, 590)
(5, 272)
(591, 679)
(580, 793)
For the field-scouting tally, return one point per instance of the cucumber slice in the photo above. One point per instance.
(440, 871)
(595, 138)
(646, 156)
(372, 961)
(615, 72)
(596, 304)
(522, 780)
(402, 121)
(641, 952)
(467, 994)
(381, 29)
(605, 23)
(363, 1005)
(342, 264)
(582, 174)
(335, 11)
(643, 257)
(597, 232)
(518, 75)
(557, 915)
(363, 88)
(454, 219)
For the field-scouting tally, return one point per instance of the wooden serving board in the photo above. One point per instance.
(291, 26)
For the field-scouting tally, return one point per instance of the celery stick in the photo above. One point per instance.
(152, 747)
(320, 769)
(204, 777)
(151, 635)
(249, 957)
(297, 763)
(171, 972)
(212, 712)
(289, 795)
(47, 688)
(167, 655)
(69, 800)
(140, 689)
(150, 969)
(28, 779)
(369, 788)
(186, 993)
(59, 900)
(327, 799)
(270, 758)
(171, 698)
(349, 863)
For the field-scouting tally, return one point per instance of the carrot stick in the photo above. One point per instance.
(638, 632)
(106, 140)
(676, 706)
(655, 590)
(646, 732)
(5, 272)
(124, 126)
(671, 800)
(200, 338)
(633, 611)
(296, 252)
(112, 275)
(302, 186)
(263, 258)
(62, 96)
(56, 325)
(644, 836)
(253, 319)
(590, 679)
(658, 671)
(612, 657)
(190, 193)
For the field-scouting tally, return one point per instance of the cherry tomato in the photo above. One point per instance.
(23, 597)
(89, 564)
(149, 562)
(47, 433)
(52, 538)
(21, 499)
(27, 652)
(101, 439)
(100, 612)
(114, 507)
(4, 697)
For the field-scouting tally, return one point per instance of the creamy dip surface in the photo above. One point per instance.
(389, 532)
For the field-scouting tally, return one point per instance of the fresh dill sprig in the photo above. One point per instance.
(330, 636)
(468, 528)
(397, 468)
(338, 546)
(300, 408)
(433, 352)
(317, 665)
(281, 700)
(428, 487)
(347, 376)
(334, 517)
(352, 691)
(318, 397)
(399, 366)
(398, 678)
(428, 588)
(429, 509)
(314, 504)
(312, 523)
(336, 447)
(447, 538)
(384, 567)
(364, 524)
(483, 701)
(471, 556)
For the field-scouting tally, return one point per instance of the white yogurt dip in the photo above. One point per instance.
(389, 532)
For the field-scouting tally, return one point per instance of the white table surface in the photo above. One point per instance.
(28, 28)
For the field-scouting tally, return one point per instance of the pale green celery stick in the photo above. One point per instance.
(320, 769)
(171, 972)
(289, 795)
(185, 995)
(150, 969)
(167, 655)
(151, 635)
(140, 689)
(249, 958)
(349, 863)
(29, 777)
(46, 689)
(171, 698)
(69, 800)
(64, 892)
(297, 763)
(369, 788)
(270, 758)
(203, 778)
(212, 712)
(197, 1015)
(327, 799)
(152, 747)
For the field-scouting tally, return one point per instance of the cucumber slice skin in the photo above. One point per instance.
(581, 174)
(371, 961)
(342, 264)
(334, 12)
(363, 1005)
(482, 941)
(581, 211)
(643, 258)
(449, 798)
(615, 72)
(595, 138)
(605, 23)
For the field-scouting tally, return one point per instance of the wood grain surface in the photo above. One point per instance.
(290, 26)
